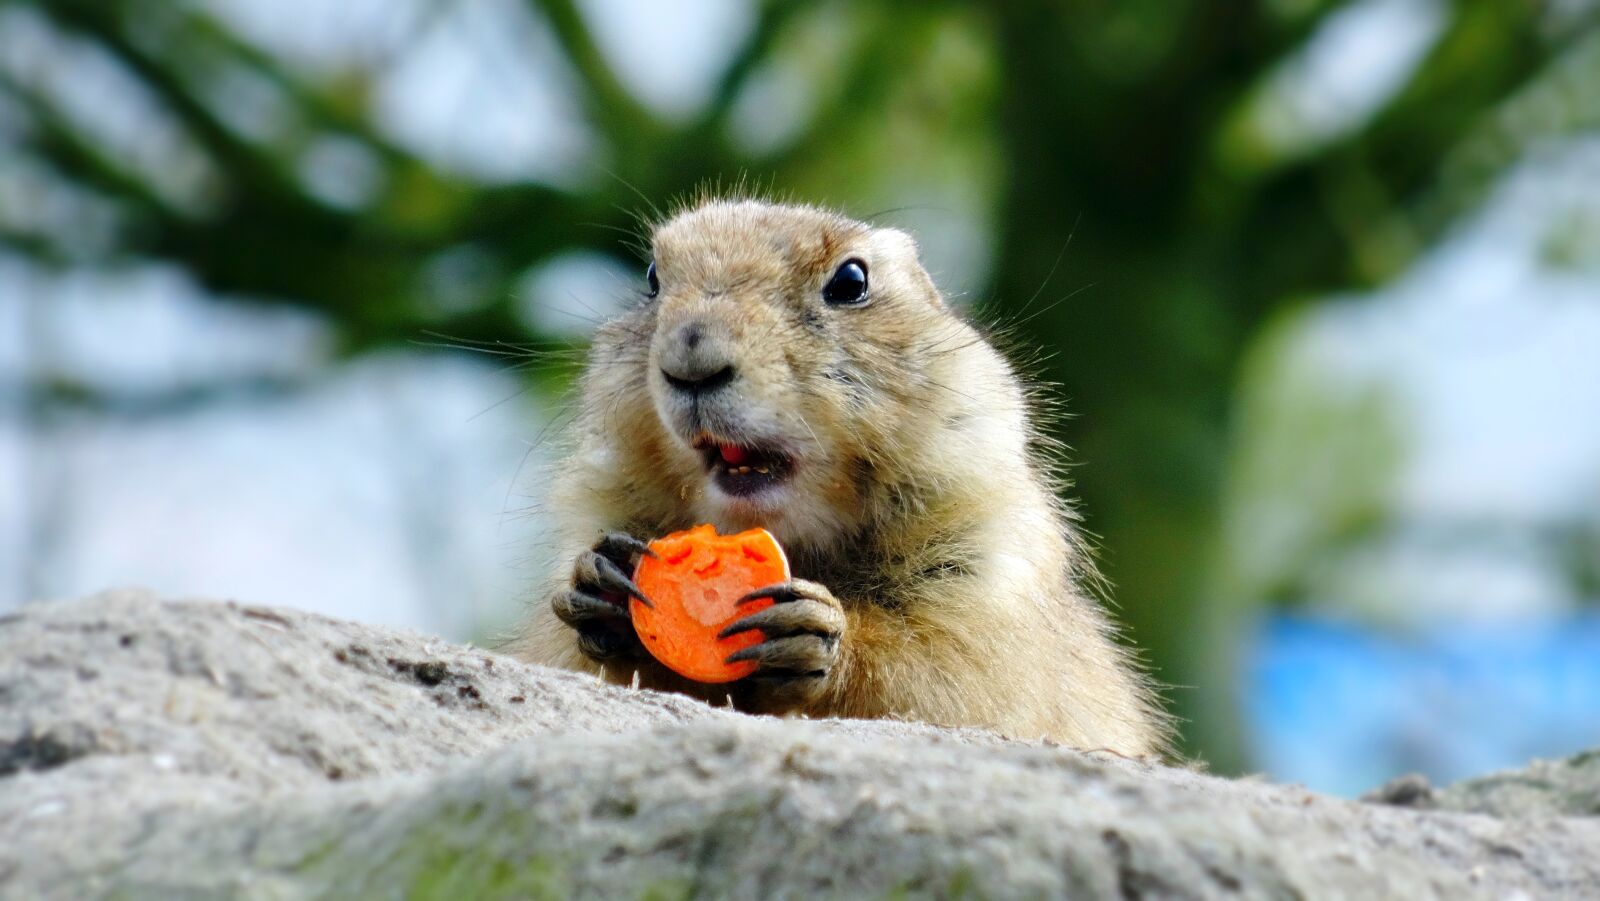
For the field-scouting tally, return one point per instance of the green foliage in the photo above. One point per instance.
(1312, 469)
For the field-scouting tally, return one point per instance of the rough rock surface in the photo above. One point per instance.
(152, 749)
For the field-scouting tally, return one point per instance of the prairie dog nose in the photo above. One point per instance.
(696, 360)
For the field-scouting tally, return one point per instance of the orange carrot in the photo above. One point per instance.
(695, 582)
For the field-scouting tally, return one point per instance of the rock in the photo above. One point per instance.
(1568, 787)
(153, 749)
(1411, 790)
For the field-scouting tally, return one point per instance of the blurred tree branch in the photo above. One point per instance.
(772, 17)
(60, 144)
(623, 120)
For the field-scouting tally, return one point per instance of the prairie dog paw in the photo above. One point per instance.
(802, 630)
(595, 604)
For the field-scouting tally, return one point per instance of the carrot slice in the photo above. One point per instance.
(695, 582)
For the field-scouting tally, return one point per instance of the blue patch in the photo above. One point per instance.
(1343, 708)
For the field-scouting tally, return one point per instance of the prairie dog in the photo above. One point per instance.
(794, 369)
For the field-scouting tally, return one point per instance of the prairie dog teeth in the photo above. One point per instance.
(761, 469)
(742, 470)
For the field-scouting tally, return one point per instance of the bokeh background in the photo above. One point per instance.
(290, 292)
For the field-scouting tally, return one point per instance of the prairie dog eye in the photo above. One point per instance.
(650, 277)
(848, 286)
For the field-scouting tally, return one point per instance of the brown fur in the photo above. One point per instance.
(920, 497)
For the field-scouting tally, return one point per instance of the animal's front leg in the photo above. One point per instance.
(595, 604)
(795, 663)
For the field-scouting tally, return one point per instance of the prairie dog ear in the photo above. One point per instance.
(898, 264)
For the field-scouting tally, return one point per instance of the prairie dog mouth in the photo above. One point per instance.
(744, 470)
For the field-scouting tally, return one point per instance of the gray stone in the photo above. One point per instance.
(1569, 787)
(153, 749)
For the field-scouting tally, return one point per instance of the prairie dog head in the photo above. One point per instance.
(781, 356)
